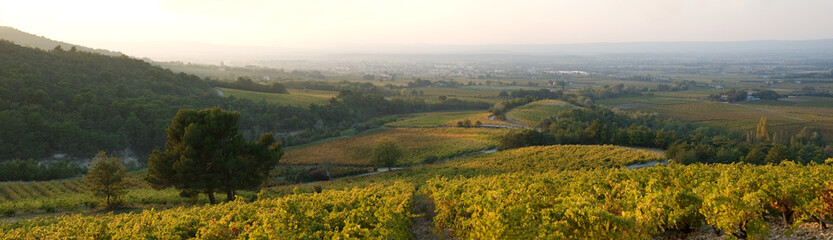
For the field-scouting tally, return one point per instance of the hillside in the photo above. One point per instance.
(557, 192)
(77, 103)
(30, 40)
(61, 102)
(534, 113)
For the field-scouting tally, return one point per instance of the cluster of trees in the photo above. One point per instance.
(599, 125)
(467, 123)
(245, 83)
(205, 154)
(768, 95)
(618, 90)
(79, 103)
(684, 142)
(733, 95)
(730, 95)
(31, 170)
(419, 82)
(681, 85)
(761, 147)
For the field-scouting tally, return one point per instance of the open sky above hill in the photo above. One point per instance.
(141, 28)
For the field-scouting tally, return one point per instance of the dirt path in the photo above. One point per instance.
(381, 170)
(422, 225)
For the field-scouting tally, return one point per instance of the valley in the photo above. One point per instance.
(681, 139)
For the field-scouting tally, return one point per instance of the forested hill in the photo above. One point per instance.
(34, 41)
(77, 103)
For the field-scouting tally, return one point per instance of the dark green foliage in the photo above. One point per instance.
(524, 138)
(430, 159)
(684, 143)
(106, 179)
(776, 154)
(768, 95)
(78, 102)
(206, 154)
(730, 95)
(386, 152)
(31, 170)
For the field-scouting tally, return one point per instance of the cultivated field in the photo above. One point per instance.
(416, 145)
(433, 119)
(295, 97)
(535, 113)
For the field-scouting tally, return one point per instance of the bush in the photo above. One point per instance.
(430, 159)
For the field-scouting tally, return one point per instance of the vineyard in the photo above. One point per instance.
(547, 192)
(632, 204)
(377, 212)
(72, 194)
(433, 119)
(299, 98)
(529, 159)
(536, 112)
(416, 145)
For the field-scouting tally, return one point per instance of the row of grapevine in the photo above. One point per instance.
(377, 212)
(10, 191)
(632, 204)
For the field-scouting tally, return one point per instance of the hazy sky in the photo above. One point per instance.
(312, 24)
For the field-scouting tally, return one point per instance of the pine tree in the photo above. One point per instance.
(206, 154)
(106, 179)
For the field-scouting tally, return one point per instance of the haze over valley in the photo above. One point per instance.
(370, 119)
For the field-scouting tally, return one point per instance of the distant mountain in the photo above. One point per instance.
(30, 40)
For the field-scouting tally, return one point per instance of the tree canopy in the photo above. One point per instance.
(106, 178)
(205, 154)
(386, 152)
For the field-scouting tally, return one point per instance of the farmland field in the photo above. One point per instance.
(301, 98)
(647, 100)
(416, 145)
(433, 119)
(535, 113)
(528, 159)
